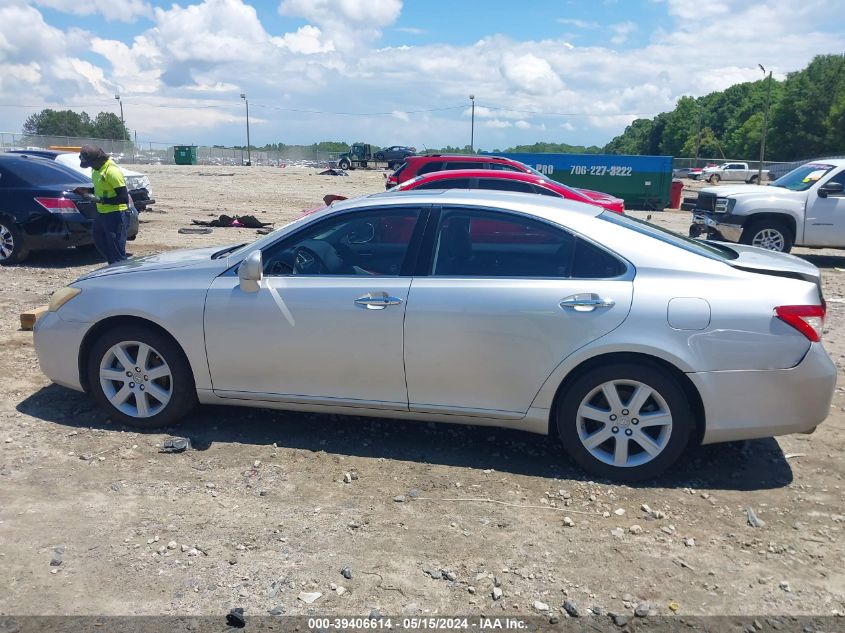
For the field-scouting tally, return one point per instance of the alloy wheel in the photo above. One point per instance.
(7, 242)
(770, 239)
(136, 379)
(624, 423)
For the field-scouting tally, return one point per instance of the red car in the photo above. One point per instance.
(525, 182)
(419, 165)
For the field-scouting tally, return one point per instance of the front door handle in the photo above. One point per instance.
(586, 302)
(377, 301)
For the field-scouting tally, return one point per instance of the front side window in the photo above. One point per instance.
(497, 184)
(363, 243)
(503, 167)
(479, 243)
(446, 183)
(452, 165)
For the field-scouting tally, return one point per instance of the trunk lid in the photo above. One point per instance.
(759, 260)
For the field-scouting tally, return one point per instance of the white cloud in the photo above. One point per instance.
(581, 24)
(410, 30)
(306, 40)
(497, 124)
(531, 74)
(349, 23)
(111, 10)
(622, 31)
(522, 124)
(402, 116)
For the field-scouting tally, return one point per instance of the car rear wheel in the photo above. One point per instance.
(769, 234)
(13, 248)
(624, 421)
(379, 156)
(714, 179)
(140, 377)
(344, 163)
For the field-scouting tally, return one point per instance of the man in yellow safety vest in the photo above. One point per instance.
(112, 198)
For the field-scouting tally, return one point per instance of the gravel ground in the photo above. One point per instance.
(269, 507)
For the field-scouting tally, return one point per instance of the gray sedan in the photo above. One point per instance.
(625, 341)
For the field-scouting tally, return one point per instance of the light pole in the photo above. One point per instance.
(122, 123)
(765, 124)
(248, 154)
(472, 127)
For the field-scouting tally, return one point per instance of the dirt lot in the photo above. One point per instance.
(258, 513)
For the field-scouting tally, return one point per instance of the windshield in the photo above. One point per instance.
(533, 171)
(707, 249)
(803, 177)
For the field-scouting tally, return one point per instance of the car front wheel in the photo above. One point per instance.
(13, 249)
(140, 377)
(768, 234)
(624, 421)
(714, 179)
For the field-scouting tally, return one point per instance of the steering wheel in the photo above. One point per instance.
(308, 262)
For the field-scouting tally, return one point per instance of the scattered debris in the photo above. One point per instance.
(753, 520)
(572, 609)
(568, 522)
(236, 618)
(56, 558)
(333, 172)
(309, 596)
(331, 197)
(346, 572)
(635, 529)
(192, 231)
(497, 593)
(540, 606)
(29, 317)
(277, 610)
(236, 221)
(175, 445)
(794, 455)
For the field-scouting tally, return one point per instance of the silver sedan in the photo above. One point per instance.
(625, 341)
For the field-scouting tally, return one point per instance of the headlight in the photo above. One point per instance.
(61, 297)
(724, 205)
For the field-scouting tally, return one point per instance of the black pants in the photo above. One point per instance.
(110, 235)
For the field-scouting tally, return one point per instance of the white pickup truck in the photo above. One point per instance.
(734, 172)
(805, 207)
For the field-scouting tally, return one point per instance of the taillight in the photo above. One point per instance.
(809, 320)
(57, 205)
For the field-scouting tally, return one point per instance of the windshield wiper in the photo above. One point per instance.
(227, 250)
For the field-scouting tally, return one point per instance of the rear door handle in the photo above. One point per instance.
(377, 301)
(586, 302)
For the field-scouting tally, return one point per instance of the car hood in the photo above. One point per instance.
(745, 190)
(159, 261)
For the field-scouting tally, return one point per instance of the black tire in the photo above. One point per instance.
(676, 437)
(183, 394)
(379, 156)
(714, 179)
(344, 163)
(13, 247)
(752, 180)
(757, 230)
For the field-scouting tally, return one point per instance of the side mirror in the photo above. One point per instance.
(830, 188)
(250, 272)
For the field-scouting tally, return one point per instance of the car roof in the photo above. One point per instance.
(18, 156)
(525, 176)
(469, 157)
(528, 203)
(43, 153)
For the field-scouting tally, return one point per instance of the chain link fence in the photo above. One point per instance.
(153, 153)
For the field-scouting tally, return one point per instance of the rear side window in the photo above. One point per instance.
(430, 167)
(446, 183)
(478, 243)
(42, 172)
(461, 165)
(497, 184)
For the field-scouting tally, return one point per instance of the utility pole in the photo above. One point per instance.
(472, 127)
(697, 136)
(122, 123)
(248, 152)
(765, 124)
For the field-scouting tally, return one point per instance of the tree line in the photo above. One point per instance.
(105, 125)
(806, 119)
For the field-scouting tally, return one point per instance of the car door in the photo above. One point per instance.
(325, 325)
(505, 300)
(825, 216)
(735, 171)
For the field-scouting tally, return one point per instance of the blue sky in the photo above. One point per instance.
(392, 71)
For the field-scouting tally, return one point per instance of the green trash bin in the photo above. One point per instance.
(185, 154)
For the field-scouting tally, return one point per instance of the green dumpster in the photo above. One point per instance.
(185, 154)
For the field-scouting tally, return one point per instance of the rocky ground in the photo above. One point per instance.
(308, 514)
